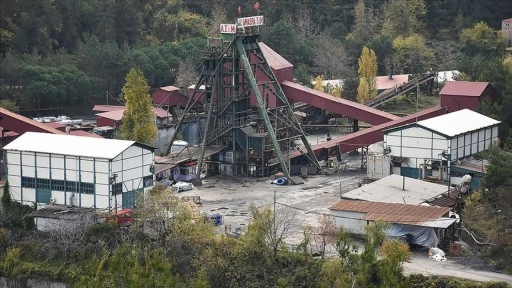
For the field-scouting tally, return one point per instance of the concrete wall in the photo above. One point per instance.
(352, 222)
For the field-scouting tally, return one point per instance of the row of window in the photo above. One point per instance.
(73, 186)
(58, 185)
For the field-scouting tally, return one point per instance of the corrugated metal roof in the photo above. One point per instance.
(274, 60)
(8, 133)
(393, 212)
(464, 88)
(28, 121)
(444, 201)
(384, 83)
(107, 108)
(390, 190)
(84, 133)
(117, 115)
(458, 122)
(69, 145)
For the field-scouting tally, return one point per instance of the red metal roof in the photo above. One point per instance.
(107, 108)
(8, 133)
(55, 125)
(274, 60)
(392, 212)
(384, 83)
(337, 105)
(508, 20)
(117, 115)
(464, 88)
(161, 113)
(21, 124)
(84, 133)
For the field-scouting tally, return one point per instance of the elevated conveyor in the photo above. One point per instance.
(336, 105)
(367, 136)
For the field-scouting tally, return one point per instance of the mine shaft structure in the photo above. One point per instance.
(235, 105)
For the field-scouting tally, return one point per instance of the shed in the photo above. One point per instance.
(424, 223)
(425, 149)
(457, 95)
(113, 118)
(60, 218)
(77, 171)
(169, 96)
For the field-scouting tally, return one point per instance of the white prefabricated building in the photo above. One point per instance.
(426, 148)
(77, 171)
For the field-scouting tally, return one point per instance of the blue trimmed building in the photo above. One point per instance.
(77, 171)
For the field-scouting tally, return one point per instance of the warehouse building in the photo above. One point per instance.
(429, 148)
(77, 171)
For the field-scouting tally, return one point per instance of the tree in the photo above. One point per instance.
(482, 40)
(412, 54)
(402, 17)
(138, 122)
(318, 83)
(367, 89)
(9, 105)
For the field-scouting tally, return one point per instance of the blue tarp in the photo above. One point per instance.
(424, 236)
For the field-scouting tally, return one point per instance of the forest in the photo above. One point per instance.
(67, 55)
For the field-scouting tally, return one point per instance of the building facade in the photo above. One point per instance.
(506, 30)
(426, 149)
(78, 171)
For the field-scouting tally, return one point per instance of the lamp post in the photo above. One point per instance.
(112, 181)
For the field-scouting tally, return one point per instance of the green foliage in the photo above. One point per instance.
(367, 89)
(6, 196)
(138, 122)
(412, 54)
(403, 17)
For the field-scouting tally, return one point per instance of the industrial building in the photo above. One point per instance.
(426, 149)
(77, 171)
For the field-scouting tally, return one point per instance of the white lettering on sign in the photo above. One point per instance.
(250, 21)
(228, 28)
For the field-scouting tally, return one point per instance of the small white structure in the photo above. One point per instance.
(426, 148)
(378, 166)
(78, 171)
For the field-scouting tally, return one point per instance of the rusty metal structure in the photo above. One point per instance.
(251, 134)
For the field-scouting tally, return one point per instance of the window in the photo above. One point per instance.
(87, 188)
(43, 183)
(148, 181)
(58, 185)
(28, 182)
(117, 188)
(71, 186)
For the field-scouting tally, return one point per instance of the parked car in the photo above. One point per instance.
(182, 186)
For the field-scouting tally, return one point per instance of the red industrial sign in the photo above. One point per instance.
(228, 28)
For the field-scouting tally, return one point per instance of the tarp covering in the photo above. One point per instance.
(424, 236)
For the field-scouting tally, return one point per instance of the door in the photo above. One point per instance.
(43, 195)
(129, 198)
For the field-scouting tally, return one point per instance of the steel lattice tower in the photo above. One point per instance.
(253, 135)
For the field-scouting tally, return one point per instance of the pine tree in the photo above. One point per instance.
(367, 89)
(6, 196)
(138, 118)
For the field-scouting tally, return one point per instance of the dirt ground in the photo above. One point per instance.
(232, 197)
